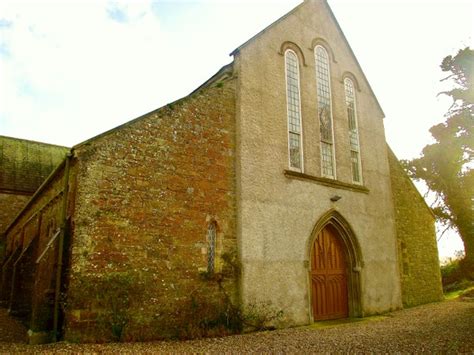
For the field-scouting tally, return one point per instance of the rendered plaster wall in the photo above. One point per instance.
(277, 213)
(419, 263)
(147, 193)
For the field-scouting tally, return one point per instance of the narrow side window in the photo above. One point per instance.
(293, 110)
(323, 89)
(211, 248)
(353, 131)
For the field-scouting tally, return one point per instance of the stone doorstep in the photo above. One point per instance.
(337, 322)
(36, 338)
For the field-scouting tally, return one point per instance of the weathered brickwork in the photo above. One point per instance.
(418, 253)
(146, 195)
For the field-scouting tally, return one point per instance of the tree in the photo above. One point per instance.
(446, 166)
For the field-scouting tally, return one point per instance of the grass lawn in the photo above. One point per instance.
(459, 293)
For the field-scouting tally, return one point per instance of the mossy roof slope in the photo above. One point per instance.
(25, 164)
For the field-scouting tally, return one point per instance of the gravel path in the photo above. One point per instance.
(11, 331)
(446, 327)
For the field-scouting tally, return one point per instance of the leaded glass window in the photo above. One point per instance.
(353, 131)
(211, 247)
(293, 109)
(323, 89)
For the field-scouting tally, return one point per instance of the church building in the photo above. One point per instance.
(270, 187)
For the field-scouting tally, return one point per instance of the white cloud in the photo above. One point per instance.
(78, 68)
(71, 67)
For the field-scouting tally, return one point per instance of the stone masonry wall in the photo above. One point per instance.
(418, 253)
(146, 195)
(30, 262)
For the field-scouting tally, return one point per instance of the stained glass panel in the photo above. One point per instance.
(353, 131)
(323, 88)
(293, 107)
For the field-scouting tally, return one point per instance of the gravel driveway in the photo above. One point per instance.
(440, 327)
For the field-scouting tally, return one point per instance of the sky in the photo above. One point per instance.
(72, 69)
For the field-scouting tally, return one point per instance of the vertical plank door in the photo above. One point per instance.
(328, 276)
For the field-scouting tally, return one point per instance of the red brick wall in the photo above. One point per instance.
(146, 194)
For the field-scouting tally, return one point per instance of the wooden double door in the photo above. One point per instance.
(329, 276)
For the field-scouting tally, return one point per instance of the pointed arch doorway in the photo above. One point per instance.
(335, 265)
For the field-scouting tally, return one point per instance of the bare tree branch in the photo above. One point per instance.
(444, 231)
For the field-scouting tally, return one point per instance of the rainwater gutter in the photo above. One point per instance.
(57, 291)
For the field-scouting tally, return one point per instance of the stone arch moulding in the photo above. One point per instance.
(353, 255)
(295, 48)
(322, 42)
(351, 76)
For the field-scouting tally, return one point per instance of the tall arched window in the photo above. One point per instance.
(293, 110)
(353, 131)
(211, 247)
(323, 89)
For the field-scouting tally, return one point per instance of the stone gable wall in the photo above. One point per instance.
(278, 211)
(418, 253)
(146, 195)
